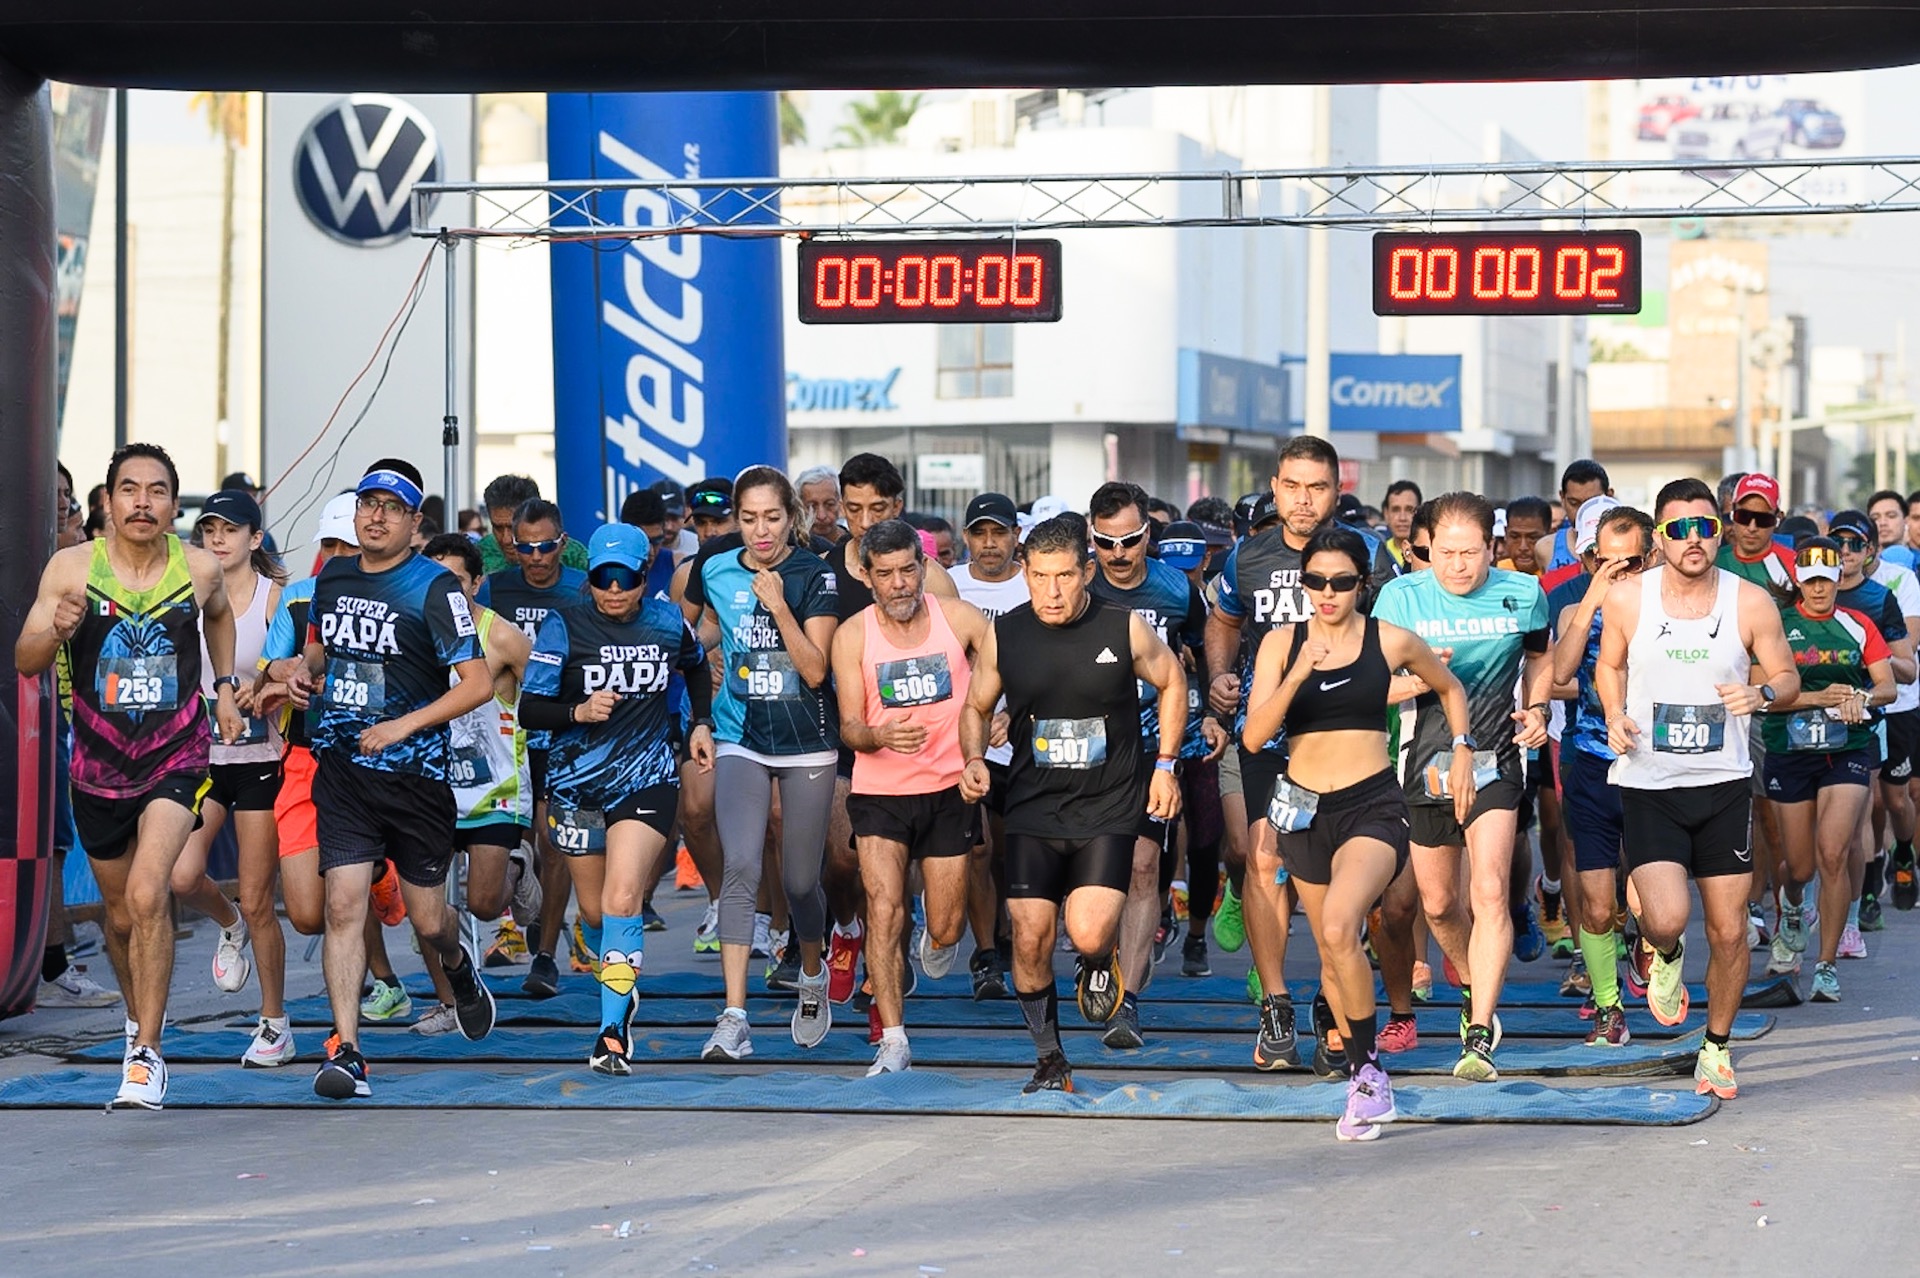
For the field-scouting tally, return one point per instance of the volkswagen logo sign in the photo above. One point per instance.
(356, 165)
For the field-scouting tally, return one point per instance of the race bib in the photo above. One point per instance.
(1293, 807)
(1689, 729)
(764, 676)
(135, 685)
(1439, 779)
(916, 681)
(1815, 730)
(577, 831)
(252, 732)
(469, 768)
(359, 687)
(1070, 743)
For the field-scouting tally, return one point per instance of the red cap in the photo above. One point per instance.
(1758, 485)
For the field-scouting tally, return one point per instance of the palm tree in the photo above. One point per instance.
(793, 125)
(878, 121)
(227, 121)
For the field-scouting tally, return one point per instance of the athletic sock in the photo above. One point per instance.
(1875, 877)
(893, 1033)
(1853, 914)
(1042, 1012)
(1359, 1041)
(1237, 879)
(593, 932)
(53, 962)
(1550, 886)
(1672, 955)
(1903, 852)
(1602, 967)
(622, 938)
(850, 930)
(1718, 1040)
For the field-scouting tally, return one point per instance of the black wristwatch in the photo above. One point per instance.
(232, 681)
(1766, 696)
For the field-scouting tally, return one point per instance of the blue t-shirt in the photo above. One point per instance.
(581, 651)
(390, 638)
(1171, 605)
(763, 704)
(1897, 555)
(286, 635)
(510, 595)
(1586, 727)
(1878, 604)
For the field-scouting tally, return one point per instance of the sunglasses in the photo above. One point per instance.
(1850, 542)
(1817, 557)
(614, 577)
(1706, 527)
(1133, 538)
(1755, 518)
(540, 547)
(1629, 563)
(1340, 583)
(1422, 553)
(710, 498)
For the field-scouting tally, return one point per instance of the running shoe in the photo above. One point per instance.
(1667, 996)
(730, 1041)
(344, 1075)
(1177, 898)
(543, 977)
(387, 901)
(581, 957)
(1713, 1072)
(686, 875)
(813, 1014)
(1529, 942)
(1552, 908)
(143, 1081)
(1123, 1031)
(610, 1051)
(1051, 1074)
(1872, 917)
(892, 1057)
(1826, 984)
(386, 1002)
(1193, 956)
(650, 920)
(472, 1000)
(1329, 1046)
(936, 960)
(74, 988)
(1758, 933)
(706, 937)
(989, 975)
(843, 962)
(1229, 924)
(1369, 1105)
(875, 1030)
(1587, 1009)
(1577, 980)
(1422, 980)
(1639, 969)
(1277, 1045)
(527, 897)
(272, 1045)
(1466, 1024)
(440, 1020)
(1476, 1057)
(1852, 944)
(509, 948)
(1906, 882)
(1794, 926)
(1609, 1028)
(1399, 1034)
(783, 973)
(1165, 935)
(762, 936)
(231, 966)
(1781, 961)
(1098, 989)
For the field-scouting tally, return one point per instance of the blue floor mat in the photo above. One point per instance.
(917, 1092)
(847, 1045)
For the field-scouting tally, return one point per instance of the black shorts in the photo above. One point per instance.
(1903, 747)
(1258, 772)
(996, 798)
(1539, 776)
(1433, 823)
(245, 787)
(1375, 808)
(654, 806)
(1590, 810)
(366, 816)
(500, 833)
(940, 824)
(1704, 828)
(1797, 776)
(1051, 869)
(107, 827)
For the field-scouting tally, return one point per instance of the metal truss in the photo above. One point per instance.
(1375, 197)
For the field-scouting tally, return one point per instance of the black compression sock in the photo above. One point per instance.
(53, 961)
(1718, 1040)
(1668, 956)
(1359, 1041)
(1237, 879)
(1875, 876)
(1903, 851)
(1042, 1012)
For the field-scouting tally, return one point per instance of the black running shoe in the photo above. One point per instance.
(1051, 1074)
(784, 973)
(1166, 935)
(1193, 957)
(1098, 989)
(344, 1076)
(472, 1000)
(1872, 917)
(1123, 1031)
(610, 1051)
(543, 977)
(1329, 1052)
(989, 976)
(1906, 884)
(1276, 1046)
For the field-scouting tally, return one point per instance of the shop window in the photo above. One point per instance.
(976, 361)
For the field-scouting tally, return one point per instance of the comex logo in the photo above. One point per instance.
(1356, 392)
(356, 166)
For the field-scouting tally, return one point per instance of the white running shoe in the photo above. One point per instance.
(706, 937)
(143, 1081)
(813, 1015)
(74, 988)
(527, 897)
(1852, 944)
(935, 960)
(133, 1032)
(272, 1044)
(441, 1020)
(1781, 960)
(730, 1040)
(894, 1057)
(231, 966)
(762, 936)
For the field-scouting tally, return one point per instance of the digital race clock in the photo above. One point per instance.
(1506, 273)
(929, 281)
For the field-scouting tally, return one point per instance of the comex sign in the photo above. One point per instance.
(842, 394)
(357, 163)
(1395, 393)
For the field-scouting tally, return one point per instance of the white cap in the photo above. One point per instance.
(1500, 522)
(1586, 524)
(1044, 508)
(336, 520)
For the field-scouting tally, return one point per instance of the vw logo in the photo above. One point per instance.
(356, 165)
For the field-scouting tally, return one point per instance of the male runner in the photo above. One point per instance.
(819, 490)
(127, 610)
(1678, 646)
(1402, 499)
(1888, 510)
(901, 670)
(1581, 480)
(1078, 781)
(504, 496)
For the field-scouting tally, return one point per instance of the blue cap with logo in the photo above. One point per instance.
(1183, 545)
(621, 544)
(392, 481)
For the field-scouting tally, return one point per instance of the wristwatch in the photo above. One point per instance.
(231, 681)
(1466, 739)
(1766, 696)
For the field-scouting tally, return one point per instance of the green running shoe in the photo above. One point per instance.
(1256, 993)
(386, 1002)
(1713, 1072)
(1229, 925)
(1667, 995)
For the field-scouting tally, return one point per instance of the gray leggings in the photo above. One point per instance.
(745, 796)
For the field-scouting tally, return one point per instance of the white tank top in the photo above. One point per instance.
(993, 598)
(1687, 738)
(487, 763)
(261, 741)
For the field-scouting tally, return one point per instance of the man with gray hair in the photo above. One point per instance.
(819, 489)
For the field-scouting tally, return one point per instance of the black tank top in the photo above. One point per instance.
(1351, 698)
(1077, 768)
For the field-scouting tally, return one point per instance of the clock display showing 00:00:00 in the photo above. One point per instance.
(930, 282)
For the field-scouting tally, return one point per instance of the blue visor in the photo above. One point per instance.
(392, 481)
(1182, 552)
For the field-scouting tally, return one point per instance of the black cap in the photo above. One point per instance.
(1855, 521)
(234, 506)
(997, 507)
(674, 497)
(241, 480)
(1349, 507)
(1252, 510)
(709, 498)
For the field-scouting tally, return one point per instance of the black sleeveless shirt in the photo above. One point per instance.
(1350, 698)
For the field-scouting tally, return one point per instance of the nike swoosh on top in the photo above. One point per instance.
(1338, 683)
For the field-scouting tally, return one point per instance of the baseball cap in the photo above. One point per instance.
(1349, 507)
(1183, 545)
(618, 544)
(1047, 507)
(1817, 559)
(995, 508)
(1215, 534)
(1586, 524)
(242, 480)
(1243, 510)
(673, 495)
(1500, 522)
(1758, 485)
(709, 499)
(392, 481)
(336, 521)
(1264, 512)
(234, 506)
(1852, 521)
